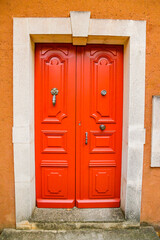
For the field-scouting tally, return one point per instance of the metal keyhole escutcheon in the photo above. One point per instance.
(102, 127)
(86, 137)
(54, 92)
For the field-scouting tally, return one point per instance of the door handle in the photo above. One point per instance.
(86, 137)
(54, 92)
(102, 127)
(103, 92)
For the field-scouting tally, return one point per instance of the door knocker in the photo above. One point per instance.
(54, 92)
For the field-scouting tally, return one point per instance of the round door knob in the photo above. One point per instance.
(103, 92)
(102, 127)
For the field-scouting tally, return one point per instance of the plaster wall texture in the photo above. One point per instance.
(111, 9)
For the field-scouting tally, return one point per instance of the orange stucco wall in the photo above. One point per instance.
(109, 9)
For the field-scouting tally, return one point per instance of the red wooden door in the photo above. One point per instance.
(69, 134)
(55, 125)
(98, 160)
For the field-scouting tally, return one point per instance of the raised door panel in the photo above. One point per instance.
(55, 65)
(54, 141)
(102, 182)
(54, 182)
(54, 125)
(102, 73)
(102, 142)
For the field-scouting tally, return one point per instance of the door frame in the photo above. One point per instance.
(131, 34)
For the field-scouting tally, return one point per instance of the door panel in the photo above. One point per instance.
(99, 67)
(55, 125)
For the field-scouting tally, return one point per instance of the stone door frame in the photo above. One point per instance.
(79, 29)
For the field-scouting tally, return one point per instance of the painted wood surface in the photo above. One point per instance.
(70, 169)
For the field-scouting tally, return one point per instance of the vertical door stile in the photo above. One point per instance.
(79, 120)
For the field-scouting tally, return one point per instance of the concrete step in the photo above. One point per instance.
(141, 233)
(25, 225)
(77, 215)
(73, 219)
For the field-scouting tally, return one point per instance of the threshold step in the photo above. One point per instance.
(47, 215)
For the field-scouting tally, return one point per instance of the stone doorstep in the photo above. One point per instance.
(25, 225)
(64, 220)
(76, 218)
(79, 224)
(141, 233)
(82, 215)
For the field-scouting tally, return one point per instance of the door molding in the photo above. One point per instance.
(131, 34)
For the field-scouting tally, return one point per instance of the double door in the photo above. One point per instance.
(78, 125)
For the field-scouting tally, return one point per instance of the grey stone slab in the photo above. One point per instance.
(77, 215)
(76, 225)
(145, 233)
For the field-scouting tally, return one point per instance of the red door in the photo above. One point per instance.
(99, 106)
(78, 132)
(55, 125)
